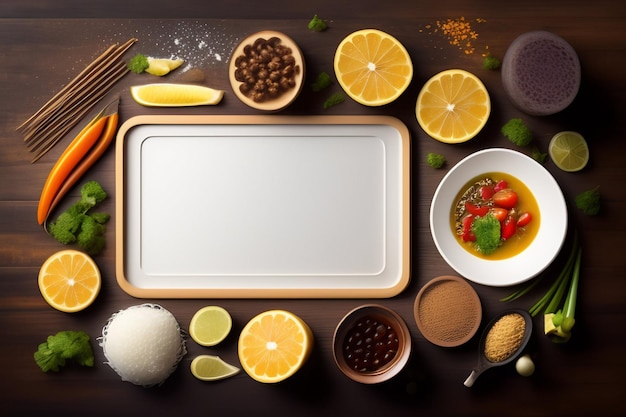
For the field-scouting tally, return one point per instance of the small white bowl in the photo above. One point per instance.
(541, 251)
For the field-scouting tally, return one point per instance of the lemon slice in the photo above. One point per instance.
(372, 67)
(453, 106)
(210, 325)
(569, 151)
(175, 95)
(162, 66)
(212, 368)
(69, 280)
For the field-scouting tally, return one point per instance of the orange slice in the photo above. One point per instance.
(453, 106)
(274, 345)
(69, 280)
(373, 67)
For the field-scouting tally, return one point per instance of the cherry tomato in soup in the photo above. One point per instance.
(486, 192)
(475, 209)
(501, 185)
(468, 235)
(506, 198)
(508, 228)
(524, 219)
(499, 213)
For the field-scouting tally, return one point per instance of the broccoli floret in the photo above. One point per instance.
(78, 225)
(322, 81)
(92, 193)
(91, 235)
(436, 160)
(491, 63)
(538, 156)
(138, 64)
(589, 202)
(487, 231)
(517, 132)
(333, 100)
(317, 25)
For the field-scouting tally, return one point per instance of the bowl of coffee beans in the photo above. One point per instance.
(372, 344)
(266, 70)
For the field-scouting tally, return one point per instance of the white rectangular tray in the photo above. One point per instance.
(262, 206)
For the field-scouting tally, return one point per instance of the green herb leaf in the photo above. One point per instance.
(487, 231)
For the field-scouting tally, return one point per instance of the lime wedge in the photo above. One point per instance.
(210, 325)
(212, 368)
(569, 151)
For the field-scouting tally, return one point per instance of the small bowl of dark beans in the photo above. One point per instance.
(266, 70)
(372, 344)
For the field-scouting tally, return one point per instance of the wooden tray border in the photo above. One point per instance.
(260, 292)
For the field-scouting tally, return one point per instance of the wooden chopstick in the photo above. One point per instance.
(64, 110)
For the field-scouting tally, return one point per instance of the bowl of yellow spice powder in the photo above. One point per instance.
(503, 340)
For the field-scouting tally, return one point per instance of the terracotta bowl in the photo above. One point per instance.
(356, 321)
(286, 97)
(447, 311)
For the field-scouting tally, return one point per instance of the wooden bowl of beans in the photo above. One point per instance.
(266, 70)
(372, 344)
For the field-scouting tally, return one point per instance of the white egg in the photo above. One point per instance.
(525, 366)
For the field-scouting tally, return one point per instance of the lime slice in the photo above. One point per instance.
(212, 368)
(175, 95)
(569, 151)
(210, 325)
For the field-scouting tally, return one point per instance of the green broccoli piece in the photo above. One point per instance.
(517, 132)
(138, 63)
(52, 354)
(78, 225)
(92, 193)
(317, 25)
(538, 156)
(333, 100)
(487, 231)
(589, 202)
(491, 63)
(436, 160)
(323, 80)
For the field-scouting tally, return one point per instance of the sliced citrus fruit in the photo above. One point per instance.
(212, 368)
(162, 66)
(175, 95)
(274, 345)
(453, 106)
(210, 325)
(569, 151)
(372, 67)
(69, 280)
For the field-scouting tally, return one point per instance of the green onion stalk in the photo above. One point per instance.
(558, 319)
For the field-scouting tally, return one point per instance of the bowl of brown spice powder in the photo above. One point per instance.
(447, 311)
(266, 70)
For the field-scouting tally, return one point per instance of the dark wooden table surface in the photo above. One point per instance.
(45, 44)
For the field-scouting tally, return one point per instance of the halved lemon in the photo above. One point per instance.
(274, 345)
(175, 95)
(453, 106)
(372, 67)
(569, 151)
(69, 280)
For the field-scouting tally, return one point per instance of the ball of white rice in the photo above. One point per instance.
(143, 344)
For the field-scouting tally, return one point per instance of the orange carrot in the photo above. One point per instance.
(66, 163)
(98, 150)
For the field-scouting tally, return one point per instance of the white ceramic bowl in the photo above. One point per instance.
(541, 251)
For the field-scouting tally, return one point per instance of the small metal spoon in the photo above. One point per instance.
(484, 363)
